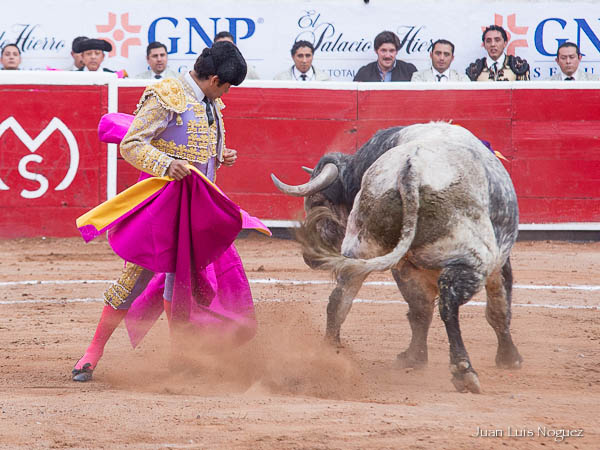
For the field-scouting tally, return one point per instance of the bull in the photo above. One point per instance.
(434, 205)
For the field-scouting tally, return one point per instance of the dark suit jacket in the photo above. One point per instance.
(401, 72)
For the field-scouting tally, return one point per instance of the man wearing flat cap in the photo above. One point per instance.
(77, 57)
(92, 53)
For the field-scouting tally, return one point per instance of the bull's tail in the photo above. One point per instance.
(344, 267)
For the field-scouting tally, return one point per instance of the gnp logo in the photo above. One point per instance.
(119, 34)
(549, 34)
(33, 145)
(554, 31)
(170, 29)
(512, 29)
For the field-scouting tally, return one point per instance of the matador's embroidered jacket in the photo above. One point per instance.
(513, 69)
(171, 123)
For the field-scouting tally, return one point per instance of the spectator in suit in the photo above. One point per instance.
(497, 65)
(157, 58)
(442, 55)
(228, 37)
(303, 69)
(568, 58)
(92, 52)
(387, 67)
(77, 57)
(10, 57)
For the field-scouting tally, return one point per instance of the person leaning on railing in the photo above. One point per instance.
(92, 53)
(568, 58)
(387, 67)
(303, 69)
(157, 59)
(497, 65)
(442, 55)
(11, 57)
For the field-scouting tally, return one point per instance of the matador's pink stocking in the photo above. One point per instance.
(109, 321)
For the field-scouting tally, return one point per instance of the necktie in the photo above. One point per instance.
(569, 79)
(303, 76)
(439, 77)
(209, 113)
(158, 77)
(494, 68)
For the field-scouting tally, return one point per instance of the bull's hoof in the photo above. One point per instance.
(407, 360)
(334, 340)
(509, 359)
(464, 378)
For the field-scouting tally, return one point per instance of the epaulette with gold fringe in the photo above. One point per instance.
(169, 93)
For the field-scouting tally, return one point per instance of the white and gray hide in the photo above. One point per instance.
(435, 206)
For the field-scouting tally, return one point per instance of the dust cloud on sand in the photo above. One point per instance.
(288, 356)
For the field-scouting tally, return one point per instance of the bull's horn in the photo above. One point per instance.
(308, 170)
(327, 176)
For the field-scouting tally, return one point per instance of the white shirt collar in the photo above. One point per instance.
(162, 74)
(575, 75)
(445, 74)
(197, 91)
(500, 61)
(310, 75)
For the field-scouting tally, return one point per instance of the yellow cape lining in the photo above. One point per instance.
(106, 213)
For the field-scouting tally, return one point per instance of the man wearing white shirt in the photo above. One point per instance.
(568, 58)
(92, 52)
(497, 65)
(303, 69)
(442, 55)
(157, 58)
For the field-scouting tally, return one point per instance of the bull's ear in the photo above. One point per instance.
(308, 170)
(327, 176)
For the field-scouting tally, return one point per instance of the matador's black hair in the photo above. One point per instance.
(224, 60)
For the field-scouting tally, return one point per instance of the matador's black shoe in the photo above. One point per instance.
(83, 374)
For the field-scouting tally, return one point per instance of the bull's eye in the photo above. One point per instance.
(332, 232)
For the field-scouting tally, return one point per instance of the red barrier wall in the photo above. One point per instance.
(549, 138)
(36, 108)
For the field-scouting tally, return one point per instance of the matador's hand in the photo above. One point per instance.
(229, 157)
(178, 170)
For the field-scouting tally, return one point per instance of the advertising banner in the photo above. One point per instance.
(341, 31)
(52, 166)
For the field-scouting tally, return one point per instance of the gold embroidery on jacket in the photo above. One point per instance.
(121, 289)
(151, 120)
(197, 153)
(170, 94)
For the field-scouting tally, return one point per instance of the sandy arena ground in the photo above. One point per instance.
(286, 389)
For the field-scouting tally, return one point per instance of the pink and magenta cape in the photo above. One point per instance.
(183, 227)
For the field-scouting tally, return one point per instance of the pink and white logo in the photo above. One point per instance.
(119, 34)
(511, 30)
(33, 145)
